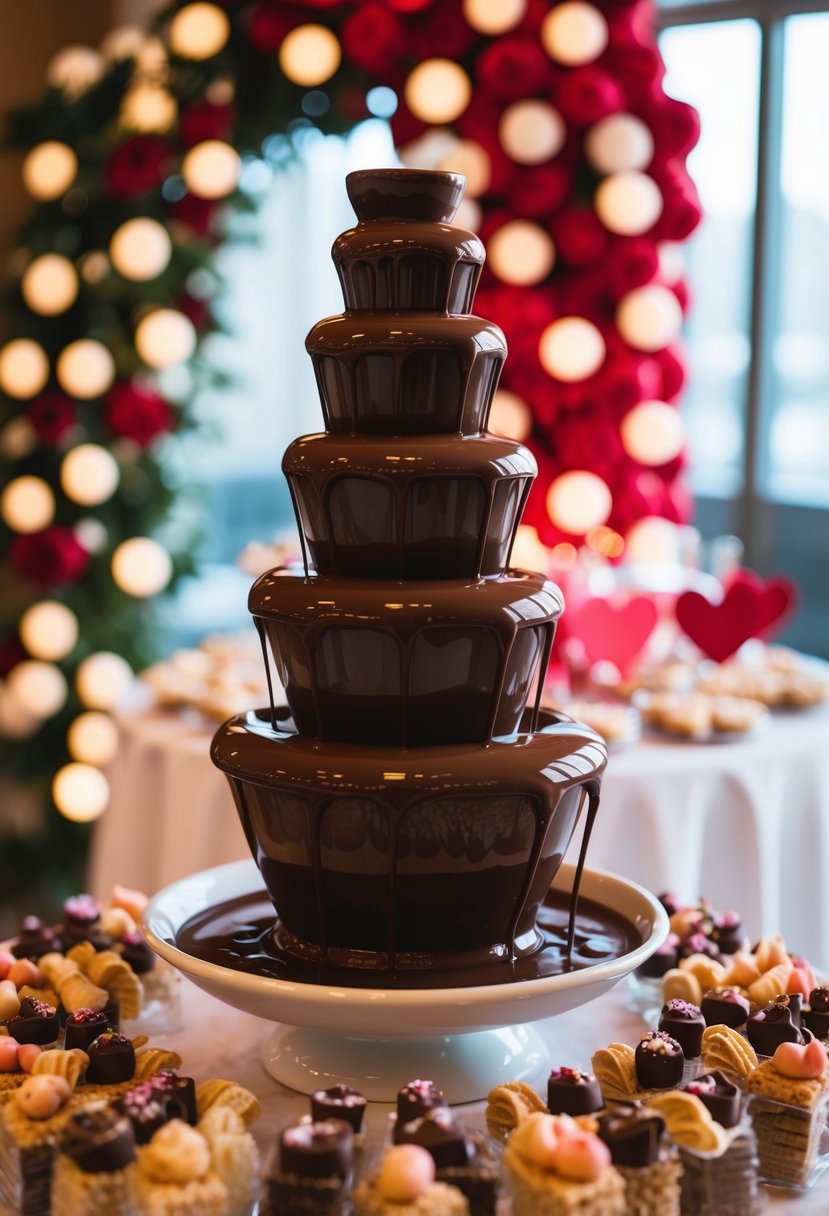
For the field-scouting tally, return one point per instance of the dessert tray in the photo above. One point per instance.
(474, 1037)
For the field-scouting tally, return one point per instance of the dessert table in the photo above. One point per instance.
(744, 822)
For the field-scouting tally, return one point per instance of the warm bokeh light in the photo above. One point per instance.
(521, 253)
(92, 738)
(531, 131)
(24, 368)
(39, 688)
(564, 555)
(628, 203)
(122, 42)
(92, 534)
(50, 284)
(140, 249)
(606, 541)
(652, 541)
(18, 438)
(49, 630)
(510, 416)
(494, 16)
(141, 566)
(310, 54)
(165, 338)
(148, 108)
(199, 31)
(650, 317)
(470, 159)
(653, 432)
(438, 90)
(211, 169)
(528, 553)
(578, 501)
(89, 474)
(27, 504)
(85, 369)
(619, 143)
(49, 170)
(75, 69)
(80, 792)
(574, 33)
(103, 680)
(571, 349)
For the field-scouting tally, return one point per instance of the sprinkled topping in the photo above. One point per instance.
(684, 1008)
(660, 1042)
(703, 1085)
(82, 908)
(573, 1076)
(81, 1016)
(37, 1009)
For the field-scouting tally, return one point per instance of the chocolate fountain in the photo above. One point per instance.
(407, 811)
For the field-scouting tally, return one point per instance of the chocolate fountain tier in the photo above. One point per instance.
(380, 857)
(415, 507)
(407, 664)
(412, 194)
(408, 265)
(413, 373)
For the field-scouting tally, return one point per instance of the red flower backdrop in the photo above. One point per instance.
(575, 158)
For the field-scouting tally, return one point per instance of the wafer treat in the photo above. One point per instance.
(406, 1186)
(233, 1155)
(508, 1105)
(554, 1168)
(725, 1050)
(311, 1171)
(93, 1164)
(788, 1107)
(218, 1092)
(174, 1175)
(641, 1153)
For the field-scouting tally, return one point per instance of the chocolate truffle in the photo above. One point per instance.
(146, 1110)
(99, 1140)
(35, 1022)
(573, 1092)
(339, 1102)
(716, 1092)
(178, 1093)
(725, 1007)
(81, 923)
(697, 943)
(135, 951)
(659, 1061)
(662, 960)
(727, 931)
(438, 1131)
(34, 940)
(111, 1059)
(82, 1026)
(317, 1150)
(773, 1025)
(634, 1134)
(685, 1023)
(670, 902)
(414, 1099)
(816, 1017)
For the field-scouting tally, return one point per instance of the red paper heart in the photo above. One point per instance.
(720, 629)
(778, 601)
(610, 632)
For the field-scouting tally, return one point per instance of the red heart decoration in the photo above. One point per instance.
(720, 629)
(611, 632)
(779, 599)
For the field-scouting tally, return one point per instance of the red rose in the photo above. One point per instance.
(52, 416)
(12, 652)
(136, 167)
(585, 439)
(205, 121)
(442, 31)
(539, 190)
(512, 68)
(675, 127)
(268, 25)
(50, 557)
(410, 6)
(587, 94)
(672, 370)
(633, 261)
(405, 127)
(197, 213)
(579, 237)
(135, 413)
(374, 38)
(197, 311)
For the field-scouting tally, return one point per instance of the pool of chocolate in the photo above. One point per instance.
(240, 933)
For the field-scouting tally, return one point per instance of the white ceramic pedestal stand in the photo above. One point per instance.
(376, 1039)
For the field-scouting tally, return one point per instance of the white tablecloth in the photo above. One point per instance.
(745, 823)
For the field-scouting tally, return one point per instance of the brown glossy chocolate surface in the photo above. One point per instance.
(414, 194)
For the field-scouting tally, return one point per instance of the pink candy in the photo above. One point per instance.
(558, 1144)
(7, 960)
(800, 1063)
(580, 1156)
(23, 971)
(27, 1053)
(406, 1173)
(43, 1096)
(8, 1053)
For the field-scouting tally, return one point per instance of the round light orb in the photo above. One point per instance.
(494, 16)
(94, 266)
(619, 143)
(49, 170)
(92, 534)
(85, 369)
(141, 566)
(15, 723)
(165, 338)
(521, 253)
(510, 416)
(27, 504)
(628, 203)
(531, 131)
(578, 501)
(199, 31)
(653, 432)
(649, 317)
(152, 57)
(89, 475)
(103, 680)
(18, 438)
(310, 54)
(24, 368)
(80, 792)
(574, 33)
(40, 689)
(92, 738)
(122, 42)
(50, 284)
(211, 169)
(429, 149)
(470, 159)
(75, 69)
(437, 90)
(469, 215)
(652, 541)
(571, 349)
(140, 249)
(49, 630)
(528, 551)
(148, 108)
